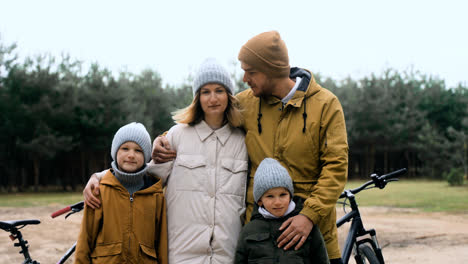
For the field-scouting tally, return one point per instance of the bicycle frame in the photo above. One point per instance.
(13, 228)
(356, 231)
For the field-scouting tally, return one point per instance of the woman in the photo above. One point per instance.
(206, 183)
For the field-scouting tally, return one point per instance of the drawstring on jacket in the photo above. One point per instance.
(259, 115)
(304, 115)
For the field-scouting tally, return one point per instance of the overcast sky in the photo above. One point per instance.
(335, 38)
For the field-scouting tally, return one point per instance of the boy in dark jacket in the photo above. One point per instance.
(273, 190)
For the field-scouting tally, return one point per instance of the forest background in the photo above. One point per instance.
(57, 120)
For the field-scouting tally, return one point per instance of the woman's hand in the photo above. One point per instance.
(91, 192)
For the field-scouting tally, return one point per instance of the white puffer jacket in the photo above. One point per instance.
(205, 192)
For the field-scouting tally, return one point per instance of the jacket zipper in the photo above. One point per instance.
(130, 223)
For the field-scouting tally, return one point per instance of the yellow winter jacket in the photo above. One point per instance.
(308, 137)
(124, 229)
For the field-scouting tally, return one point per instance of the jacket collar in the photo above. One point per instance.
(204, 131)
(151, 185)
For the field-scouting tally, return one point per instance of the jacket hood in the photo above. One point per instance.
(302, 73)
(307, 85)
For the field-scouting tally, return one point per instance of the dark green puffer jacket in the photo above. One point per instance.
(257, 242)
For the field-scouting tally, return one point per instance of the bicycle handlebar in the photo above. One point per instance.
(393, 174)
(379, 181)
(75, 207)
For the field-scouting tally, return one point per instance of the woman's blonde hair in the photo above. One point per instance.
(193, 114)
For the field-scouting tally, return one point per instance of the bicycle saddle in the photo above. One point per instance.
(7, 225)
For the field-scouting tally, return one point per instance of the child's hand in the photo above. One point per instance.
(91, 192)
(162, 151)
(296, 233)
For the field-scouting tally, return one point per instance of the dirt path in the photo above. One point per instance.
(408, 236)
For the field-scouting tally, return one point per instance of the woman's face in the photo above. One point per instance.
(213, 99)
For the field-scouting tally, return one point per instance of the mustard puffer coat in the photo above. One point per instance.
(308, 137)
(125, 229)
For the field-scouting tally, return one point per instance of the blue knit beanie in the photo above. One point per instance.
(135, 132)
(270, 174)
(210, 71)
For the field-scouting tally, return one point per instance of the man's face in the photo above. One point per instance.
(258, 81)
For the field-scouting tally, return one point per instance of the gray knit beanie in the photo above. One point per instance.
(271, 174)
(211, 71)
(135, 132)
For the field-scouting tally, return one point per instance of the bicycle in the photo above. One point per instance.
(366, 250)
(14, 226)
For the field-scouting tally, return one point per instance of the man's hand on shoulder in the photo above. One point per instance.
(295, 232)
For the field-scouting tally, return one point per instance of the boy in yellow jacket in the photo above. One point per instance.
(130, 226)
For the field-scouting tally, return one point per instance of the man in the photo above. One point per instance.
(289, 117)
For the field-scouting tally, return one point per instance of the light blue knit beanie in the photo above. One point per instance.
(270, 174)
(135, 132)
(210, 71)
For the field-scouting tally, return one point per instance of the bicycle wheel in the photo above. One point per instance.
(367, 254)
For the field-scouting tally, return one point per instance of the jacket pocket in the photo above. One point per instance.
(107, 253)
(261, 248)
(258, 237)
(233, 177)
(264, 249)
(189, 173)
(147, 255)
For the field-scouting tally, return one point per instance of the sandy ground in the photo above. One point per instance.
(407, 236)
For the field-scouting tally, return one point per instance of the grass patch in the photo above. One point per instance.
(39, 199)
(429, 196)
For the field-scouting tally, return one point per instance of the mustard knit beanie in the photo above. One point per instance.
(266, 53)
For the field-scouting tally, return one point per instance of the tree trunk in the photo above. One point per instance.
(36, 164)
(84, 177)
(385, 161)
(370, 160)
(24, 179)
(410, 162)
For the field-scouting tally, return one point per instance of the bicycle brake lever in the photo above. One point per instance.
(377, 181)
(390, 180)
(73, 210)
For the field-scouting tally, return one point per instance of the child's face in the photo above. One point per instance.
(130, 157)
(276, 201)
